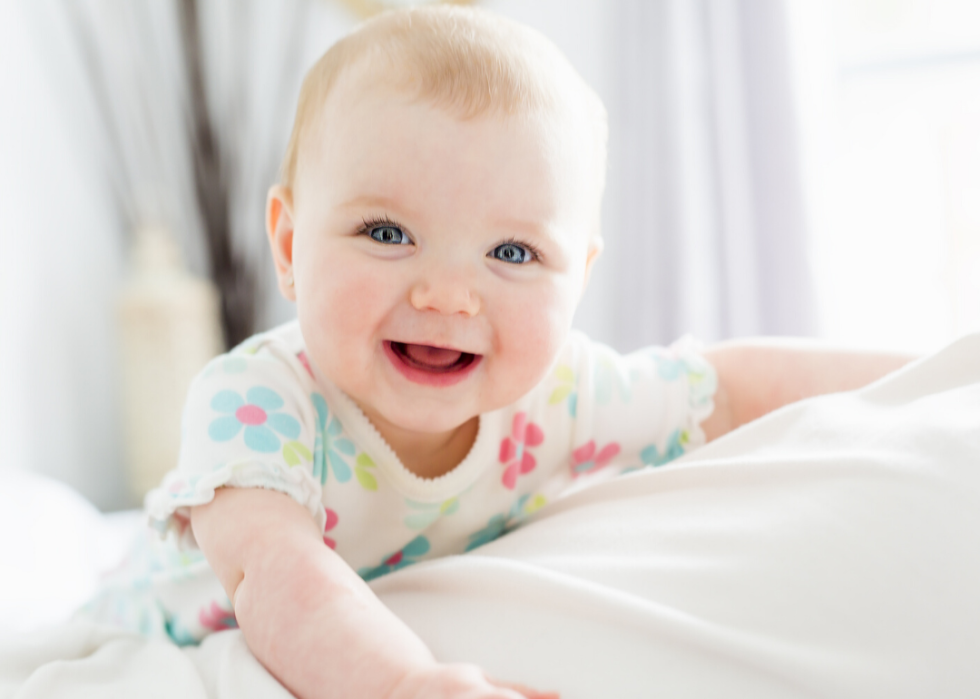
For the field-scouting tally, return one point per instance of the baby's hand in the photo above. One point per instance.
(525, 691)
(461, 682)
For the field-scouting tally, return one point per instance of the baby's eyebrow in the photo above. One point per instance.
(372, 201)
(522, 228)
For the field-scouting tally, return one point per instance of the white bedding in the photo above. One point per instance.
(831, 549)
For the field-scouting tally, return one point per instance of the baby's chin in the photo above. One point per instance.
(422, 419)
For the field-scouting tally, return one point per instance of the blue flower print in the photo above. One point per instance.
(226, 363)
(419, 546)
(426, 513)
(651, 456)
(669, 368)
(499, 524)
(256, 413)
(234, 365)
(495, 527)
(330, 445)
(609, 380)
(700, 376)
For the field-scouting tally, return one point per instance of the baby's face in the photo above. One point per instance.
(437, 261)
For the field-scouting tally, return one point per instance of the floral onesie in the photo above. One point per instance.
(263, 417)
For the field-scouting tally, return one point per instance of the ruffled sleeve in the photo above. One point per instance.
(249, 422)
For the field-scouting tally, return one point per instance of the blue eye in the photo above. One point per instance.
(389, 235)
(513, 253)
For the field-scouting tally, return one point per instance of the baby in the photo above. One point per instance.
(436, 224)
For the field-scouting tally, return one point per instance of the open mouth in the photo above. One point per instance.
(425, 364)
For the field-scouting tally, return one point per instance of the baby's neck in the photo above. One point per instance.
(429, 455)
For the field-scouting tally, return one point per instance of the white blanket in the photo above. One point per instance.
(831, 549)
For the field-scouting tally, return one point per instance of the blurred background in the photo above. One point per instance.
(779, 167)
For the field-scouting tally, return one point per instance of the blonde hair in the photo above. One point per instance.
(467, 61)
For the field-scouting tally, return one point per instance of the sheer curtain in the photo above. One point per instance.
(704, 215)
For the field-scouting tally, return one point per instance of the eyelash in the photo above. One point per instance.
(535, 253)
(371, 223)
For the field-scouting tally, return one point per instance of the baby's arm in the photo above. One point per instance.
(308, 617)
(757, 376)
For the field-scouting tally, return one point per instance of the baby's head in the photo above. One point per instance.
(439, 213)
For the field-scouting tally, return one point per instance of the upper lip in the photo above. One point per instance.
(437, 345)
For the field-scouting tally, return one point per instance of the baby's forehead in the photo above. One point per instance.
(389, 92)
(468, 62)
(362, 112)
(563, 118)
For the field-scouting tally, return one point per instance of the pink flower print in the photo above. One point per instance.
(215, 618)
(513, 449)
(305, 361)
(585, 459)
(409, 554)
(332, 520)
(180, 522)
(179, 486)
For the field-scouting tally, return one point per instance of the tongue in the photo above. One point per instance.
(435, 357)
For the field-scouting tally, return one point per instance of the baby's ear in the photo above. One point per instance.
(595, 249)
(279, 227)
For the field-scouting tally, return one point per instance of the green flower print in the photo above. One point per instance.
(362, 469)
(566, 391)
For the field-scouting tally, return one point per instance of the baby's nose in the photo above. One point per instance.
(448, 293)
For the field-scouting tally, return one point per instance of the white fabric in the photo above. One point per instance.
(829, 549)
(55, 546)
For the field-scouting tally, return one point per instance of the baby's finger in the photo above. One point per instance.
(526, 691)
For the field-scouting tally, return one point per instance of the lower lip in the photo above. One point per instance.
(429, 378)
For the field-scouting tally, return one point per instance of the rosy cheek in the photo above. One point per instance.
(531, 328)
(343, 306)
(357, 297)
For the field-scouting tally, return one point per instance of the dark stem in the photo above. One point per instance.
(229, 270)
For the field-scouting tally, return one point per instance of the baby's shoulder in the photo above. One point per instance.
(275, 358)
(589, 370)
(580, 353)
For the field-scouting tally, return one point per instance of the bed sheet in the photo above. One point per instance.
(831, 549)
(55, 546)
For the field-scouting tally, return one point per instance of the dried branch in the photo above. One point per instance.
(229, 269)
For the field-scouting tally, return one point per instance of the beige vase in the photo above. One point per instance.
(169, 329)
